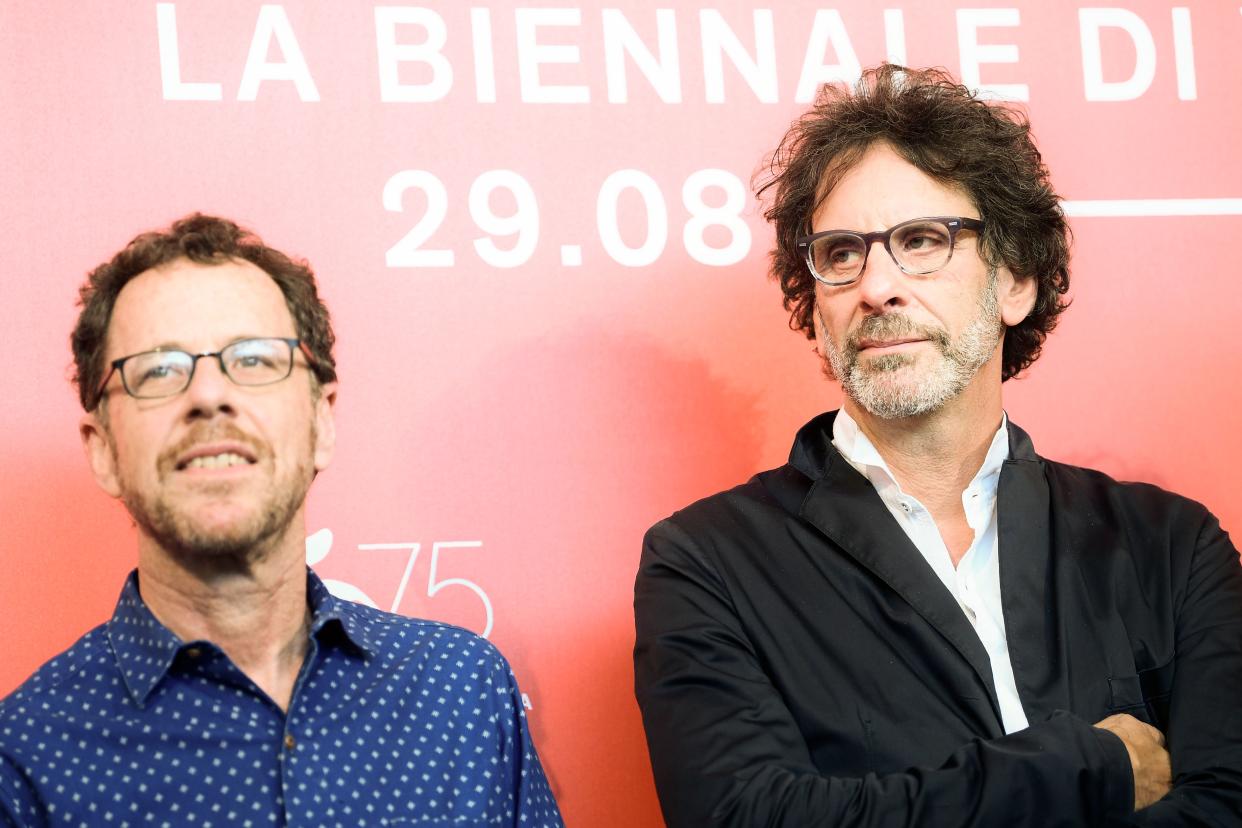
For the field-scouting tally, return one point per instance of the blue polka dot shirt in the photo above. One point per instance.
(393, 721)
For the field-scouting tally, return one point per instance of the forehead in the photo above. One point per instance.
(884, 189)
(197, 307)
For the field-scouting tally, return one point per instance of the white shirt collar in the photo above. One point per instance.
(860, 453)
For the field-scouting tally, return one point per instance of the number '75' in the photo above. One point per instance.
(318, 544)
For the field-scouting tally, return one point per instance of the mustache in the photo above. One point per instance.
(210, 433)
(893, 326)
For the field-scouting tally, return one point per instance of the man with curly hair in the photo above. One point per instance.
(229, 687)
(918, 620)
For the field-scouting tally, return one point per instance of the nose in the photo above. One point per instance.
(210, 392)
(881, 285)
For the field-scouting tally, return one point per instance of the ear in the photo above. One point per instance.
(100, 453)
(325, 425)
(1016, 296)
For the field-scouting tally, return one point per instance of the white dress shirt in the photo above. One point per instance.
(975, 582)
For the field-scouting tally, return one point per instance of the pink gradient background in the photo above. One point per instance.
(555, 412)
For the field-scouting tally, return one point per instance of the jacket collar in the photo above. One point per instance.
(813, 451)
(145, 650)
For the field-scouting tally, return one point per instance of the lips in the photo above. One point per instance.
(867, 344)
(886, 331)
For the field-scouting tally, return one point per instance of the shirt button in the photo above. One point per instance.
(289, 741)
(193, 652)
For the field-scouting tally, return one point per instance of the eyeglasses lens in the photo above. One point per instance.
(838, 258)
(921, 246)
(257, 361)
(157, 374)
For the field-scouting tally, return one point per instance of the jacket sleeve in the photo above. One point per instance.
(1204, 728)
(726, 750)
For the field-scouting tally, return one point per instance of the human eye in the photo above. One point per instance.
(922, 244)
(154, 371)
(251, 361)
(836, 255)
(842, 254)
(256, 358)
(922, 238)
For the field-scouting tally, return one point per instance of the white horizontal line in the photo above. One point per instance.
(1154, 207)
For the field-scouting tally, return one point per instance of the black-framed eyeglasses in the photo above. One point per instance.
(166, 372)
(918, 246)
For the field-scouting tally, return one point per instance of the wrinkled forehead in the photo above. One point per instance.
(196, 307)
(876, 187)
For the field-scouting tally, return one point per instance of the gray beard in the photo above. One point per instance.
(879, 388)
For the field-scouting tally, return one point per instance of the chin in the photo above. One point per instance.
(240, 521)
(900, 392)
(219, 531)
(214, 540)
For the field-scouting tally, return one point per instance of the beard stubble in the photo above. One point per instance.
(878, 386)
(176, 530)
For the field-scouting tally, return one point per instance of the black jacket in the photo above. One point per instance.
(799, 663)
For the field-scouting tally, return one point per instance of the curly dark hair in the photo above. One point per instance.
(204, 240)
(941, 128)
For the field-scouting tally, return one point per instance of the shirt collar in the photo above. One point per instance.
(328, 612)
(861, 453)
(145, 649)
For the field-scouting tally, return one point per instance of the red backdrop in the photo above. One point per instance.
(534, 229)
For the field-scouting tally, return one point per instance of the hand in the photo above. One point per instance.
(1149, 761)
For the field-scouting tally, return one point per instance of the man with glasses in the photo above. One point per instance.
(229, 687)
(918, 620)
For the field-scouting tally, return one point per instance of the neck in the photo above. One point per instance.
(934, 456)
(253, 607)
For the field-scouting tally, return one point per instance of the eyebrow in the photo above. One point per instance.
(173, 345)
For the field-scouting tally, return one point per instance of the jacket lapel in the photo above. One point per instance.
(1024, 540)
(843, 505)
